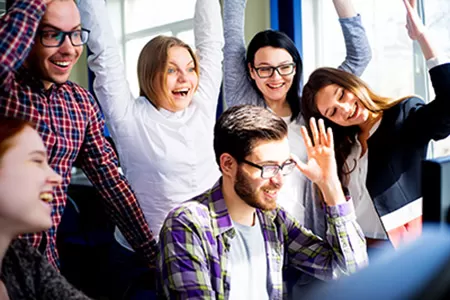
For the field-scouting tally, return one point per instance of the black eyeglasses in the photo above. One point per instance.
(55, 38)
(267, 71)
(271, 170)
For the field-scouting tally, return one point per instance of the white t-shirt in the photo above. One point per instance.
(248, 263)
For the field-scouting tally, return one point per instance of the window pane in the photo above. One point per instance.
(390, 72)
(187, 37)
(143, 14)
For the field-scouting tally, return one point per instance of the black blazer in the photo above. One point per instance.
(399, 145)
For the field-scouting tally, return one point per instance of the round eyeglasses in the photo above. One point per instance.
(271, 170)
(55, 38)
(267, 71)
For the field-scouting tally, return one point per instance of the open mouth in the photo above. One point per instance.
(181, 92)
(61, 64)
(276, 86)
(353, 113)
(46, 197)
(271, 193)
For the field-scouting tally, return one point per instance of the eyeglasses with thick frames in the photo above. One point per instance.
(267, 71)
(55, 38)
(271, 170)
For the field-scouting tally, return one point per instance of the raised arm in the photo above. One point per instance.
(17, 31)
(357, 46)
(430, 121)
(183, 264)
(99, 163)
(417, 31)
(345, 246)
(110, 83)
(238, 88)
(208, 32)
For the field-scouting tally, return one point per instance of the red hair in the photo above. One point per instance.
(10, 128)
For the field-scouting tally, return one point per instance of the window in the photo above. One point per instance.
(438, 22)
(135, 22)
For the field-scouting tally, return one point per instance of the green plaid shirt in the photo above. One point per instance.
(196, 236)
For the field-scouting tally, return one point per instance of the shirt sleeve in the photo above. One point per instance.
(436, 61)
(357, 46)
(208, 33)
(344, 249)
(110, 83)
(183, 265)
(238, 88)
(419, 122)
(99, 162)
(17, 30)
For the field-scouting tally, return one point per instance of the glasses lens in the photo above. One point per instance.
(269, 171)
(286, 69)
(264, 72)
(79, 37)
(288, 167)
(52, 38)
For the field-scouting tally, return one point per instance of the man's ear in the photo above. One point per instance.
(228, 164)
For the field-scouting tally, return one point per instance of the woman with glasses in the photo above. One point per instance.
(26, 189)
(380, 142)
(268, 73)
(164, 137)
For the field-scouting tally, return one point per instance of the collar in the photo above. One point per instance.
(218, 211)
(170, 114)
(220, 218)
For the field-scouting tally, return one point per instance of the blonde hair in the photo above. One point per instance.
(152, 67)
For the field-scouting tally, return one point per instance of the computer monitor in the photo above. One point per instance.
(436, 190)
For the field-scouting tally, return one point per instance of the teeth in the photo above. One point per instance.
(276, 86)
(272, 192)
(181, 90)
(47, 197)
(61, 63)
(353, 112)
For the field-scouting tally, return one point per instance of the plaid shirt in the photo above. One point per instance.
(71, 126)
(195, 242)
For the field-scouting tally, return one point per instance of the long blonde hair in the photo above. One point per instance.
(152, 67)
(344, 137)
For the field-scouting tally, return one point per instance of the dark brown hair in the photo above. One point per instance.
(240, 127)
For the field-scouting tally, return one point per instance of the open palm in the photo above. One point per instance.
(321, 165)
(414, 24)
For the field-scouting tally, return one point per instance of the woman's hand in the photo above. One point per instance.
(417, 31)
(414, 24)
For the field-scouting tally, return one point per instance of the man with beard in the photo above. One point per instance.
(233, 241)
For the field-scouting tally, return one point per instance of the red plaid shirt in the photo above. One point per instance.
(71, 126)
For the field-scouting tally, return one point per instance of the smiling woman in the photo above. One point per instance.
(27, 179)
(381, 142)
(164, 136)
